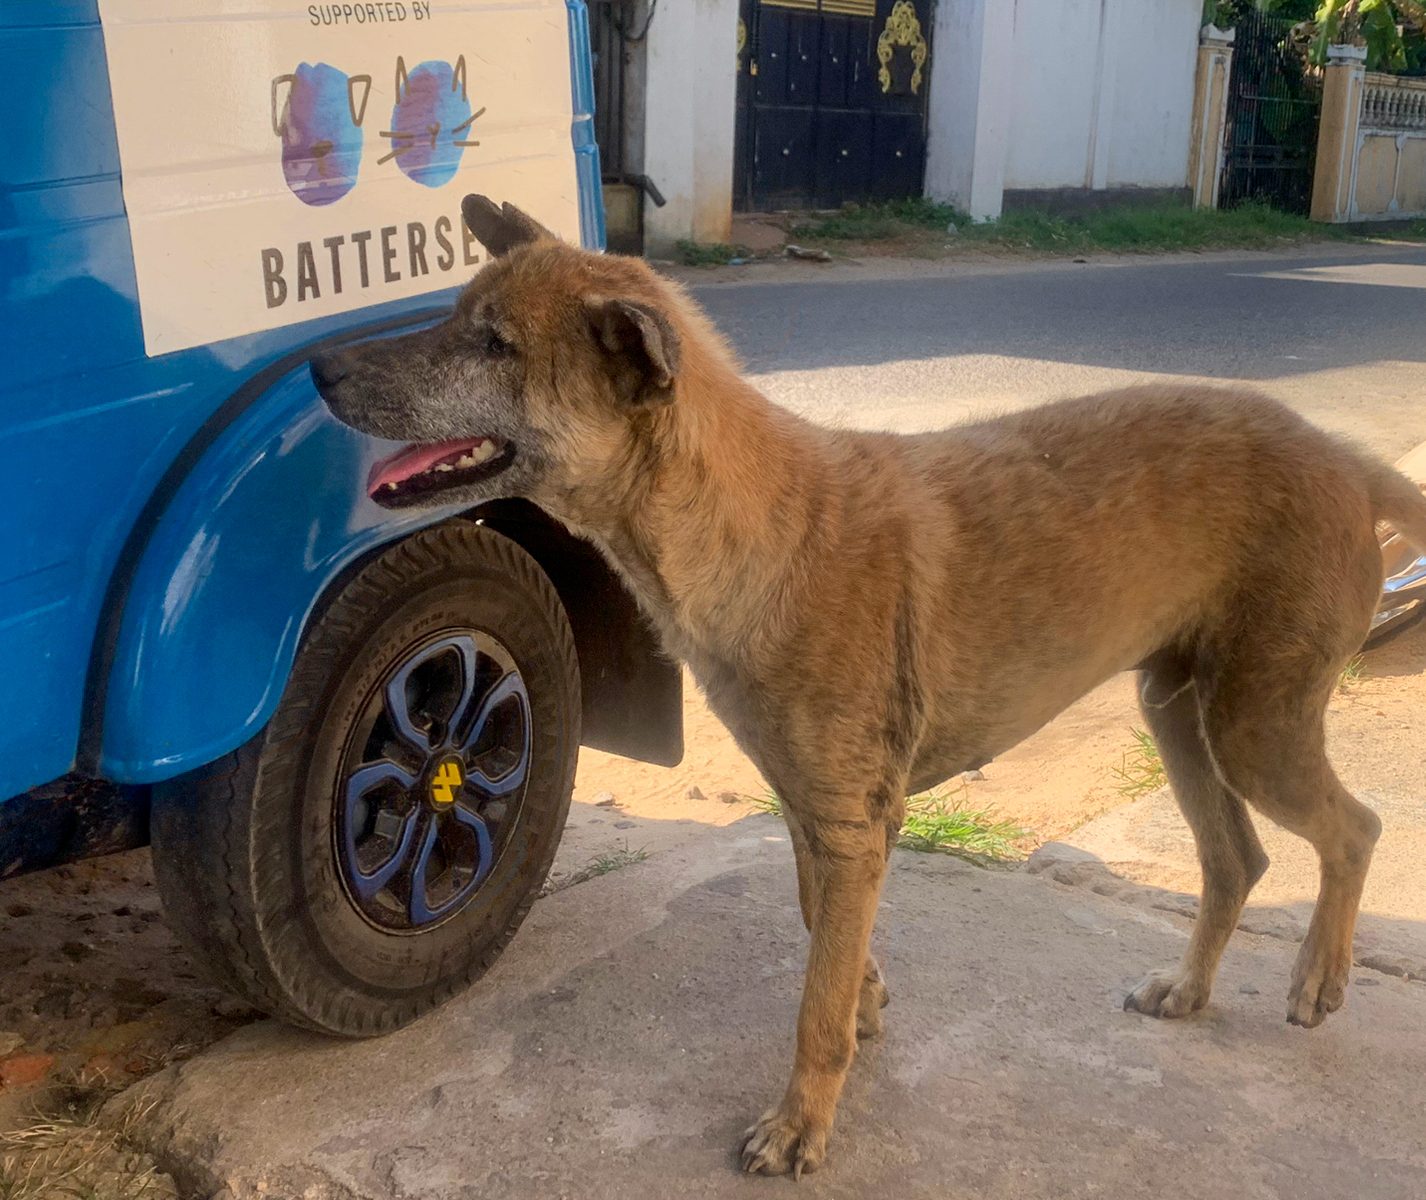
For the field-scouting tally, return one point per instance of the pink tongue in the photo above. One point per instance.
(415, 459)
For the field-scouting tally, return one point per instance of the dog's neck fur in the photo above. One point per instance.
(714, 543)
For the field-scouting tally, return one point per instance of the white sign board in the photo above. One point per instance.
(283, 161)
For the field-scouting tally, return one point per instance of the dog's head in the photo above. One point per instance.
(534, 387)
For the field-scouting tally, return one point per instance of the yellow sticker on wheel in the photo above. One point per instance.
(448, 778)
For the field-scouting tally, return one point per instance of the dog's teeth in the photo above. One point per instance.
(388, 487)
(482, 451)
(445, 467)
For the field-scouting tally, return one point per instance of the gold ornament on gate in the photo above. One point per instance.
(903, 28)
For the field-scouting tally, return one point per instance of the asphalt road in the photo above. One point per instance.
(1339, 333)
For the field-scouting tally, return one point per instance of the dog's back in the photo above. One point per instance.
(1048, 549)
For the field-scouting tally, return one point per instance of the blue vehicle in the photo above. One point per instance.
(349, 733)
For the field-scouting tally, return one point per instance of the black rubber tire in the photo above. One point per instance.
(243, 849)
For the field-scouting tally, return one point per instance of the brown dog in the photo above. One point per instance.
(871, 614)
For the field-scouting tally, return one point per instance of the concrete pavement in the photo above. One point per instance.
(641, 1020)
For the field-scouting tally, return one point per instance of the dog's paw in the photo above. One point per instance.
(1166, 994)
(874, 998)
(779, 1143)
(1316, 990)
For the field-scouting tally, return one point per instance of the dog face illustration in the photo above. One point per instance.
(317, 111)
(431, 120)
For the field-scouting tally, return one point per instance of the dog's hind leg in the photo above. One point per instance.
(847, 844)
(1264, 713)
(1270, 743)
(1229, 853)
(874, 995)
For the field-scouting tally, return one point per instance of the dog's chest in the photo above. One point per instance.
(733, 702)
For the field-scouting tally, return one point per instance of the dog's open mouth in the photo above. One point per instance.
(420, 471)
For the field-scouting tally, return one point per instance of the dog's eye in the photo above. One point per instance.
(495, 344)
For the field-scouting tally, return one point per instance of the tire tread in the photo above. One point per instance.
(208, 853)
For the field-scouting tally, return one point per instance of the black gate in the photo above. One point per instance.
(1274, 106)
(611, 28)
(831, 101)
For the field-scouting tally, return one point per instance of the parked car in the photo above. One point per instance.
(350, 732)
(1404, 595)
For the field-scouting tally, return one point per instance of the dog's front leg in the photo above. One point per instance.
(849, 862)
(874, 995)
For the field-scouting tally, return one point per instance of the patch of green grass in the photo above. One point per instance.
(1141, 770)
(707, 254)
(938, 823)
(1123, 228)
(768, 802)
(942, 823)
(877, 222)
(601, 864)
(1352, 672)
(1145, 228)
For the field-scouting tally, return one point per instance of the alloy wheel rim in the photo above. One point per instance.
(432, 780)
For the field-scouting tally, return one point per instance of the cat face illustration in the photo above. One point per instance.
(430, 123)
(317, 111)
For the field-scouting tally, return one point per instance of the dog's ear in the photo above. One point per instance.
(641, 346)
(500, 230)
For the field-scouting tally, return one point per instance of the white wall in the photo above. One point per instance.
(714, 119)
(971, 84)
(1052, 102)
(690, 90)
(1103, 93)
(1151, 107)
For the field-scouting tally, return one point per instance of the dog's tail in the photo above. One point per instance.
(1401, 503)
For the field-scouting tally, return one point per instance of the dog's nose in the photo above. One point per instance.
(328, 370)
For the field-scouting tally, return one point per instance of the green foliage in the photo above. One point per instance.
(1372, 22)
(1226, 13)
(1393, 31)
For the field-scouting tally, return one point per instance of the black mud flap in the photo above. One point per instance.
(632, 692)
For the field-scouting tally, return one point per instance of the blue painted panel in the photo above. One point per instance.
(586, 149)
(266, 520)
(90, 429)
